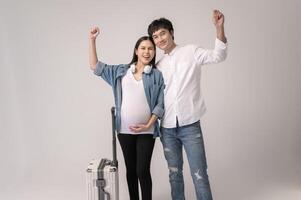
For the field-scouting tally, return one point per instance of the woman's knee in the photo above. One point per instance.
(143, 173)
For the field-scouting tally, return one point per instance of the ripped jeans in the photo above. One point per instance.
(189, 136)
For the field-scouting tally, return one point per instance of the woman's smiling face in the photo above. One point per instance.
(145, 52)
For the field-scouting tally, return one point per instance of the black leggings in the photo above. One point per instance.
(137, 151)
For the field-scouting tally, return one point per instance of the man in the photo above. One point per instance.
(184, 104)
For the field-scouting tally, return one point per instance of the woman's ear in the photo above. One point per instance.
(136, 52)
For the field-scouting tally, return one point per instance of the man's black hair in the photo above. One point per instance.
(160, 23)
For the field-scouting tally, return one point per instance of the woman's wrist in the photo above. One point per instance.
(92, 40)
(148, 125)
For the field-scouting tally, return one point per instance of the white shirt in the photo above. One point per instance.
(134, 106)
(181, 70)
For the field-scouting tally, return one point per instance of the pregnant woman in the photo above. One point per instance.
(138, 92)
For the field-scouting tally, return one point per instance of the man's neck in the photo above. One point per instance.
(170, 49)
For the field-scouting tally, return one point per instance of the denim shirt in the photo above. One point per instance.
(153, 87)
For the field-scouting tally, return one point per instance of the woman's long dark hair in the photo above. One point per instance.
(135, 57)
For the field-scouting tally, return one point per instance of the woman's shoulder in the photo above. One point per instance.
(157, 72)
(125, 66)
(120, 68)
(104, 64)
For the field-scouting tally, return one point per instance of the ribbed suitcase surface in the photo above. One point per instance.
(102, 180)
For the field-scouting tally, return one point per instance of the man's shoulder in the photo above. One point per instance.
(188, 47)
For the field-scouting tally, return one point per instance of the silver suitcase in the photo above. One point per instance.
(102, 174)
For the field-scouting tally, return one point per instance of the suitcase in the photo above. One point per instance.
(102, 174)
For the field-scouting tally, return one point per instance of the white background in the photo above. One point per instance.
(55, 114)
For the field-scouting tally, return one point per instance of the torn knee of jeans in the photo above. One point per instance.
(198, 176)
(173, 169)
(167, 149)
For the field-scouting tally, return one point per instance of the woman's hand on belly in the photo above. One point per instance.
(144, 127)
(139, 128)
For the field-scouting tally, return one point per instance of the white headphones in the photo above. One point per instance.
(147, 68)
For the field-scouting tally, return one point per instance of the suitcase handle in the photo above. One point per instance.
(114, 161)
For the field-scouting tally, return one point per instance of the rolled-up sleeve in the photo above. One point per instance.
(207, 56)
(159, 108)
(99, 68)
(107, 72)
(158, 111)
